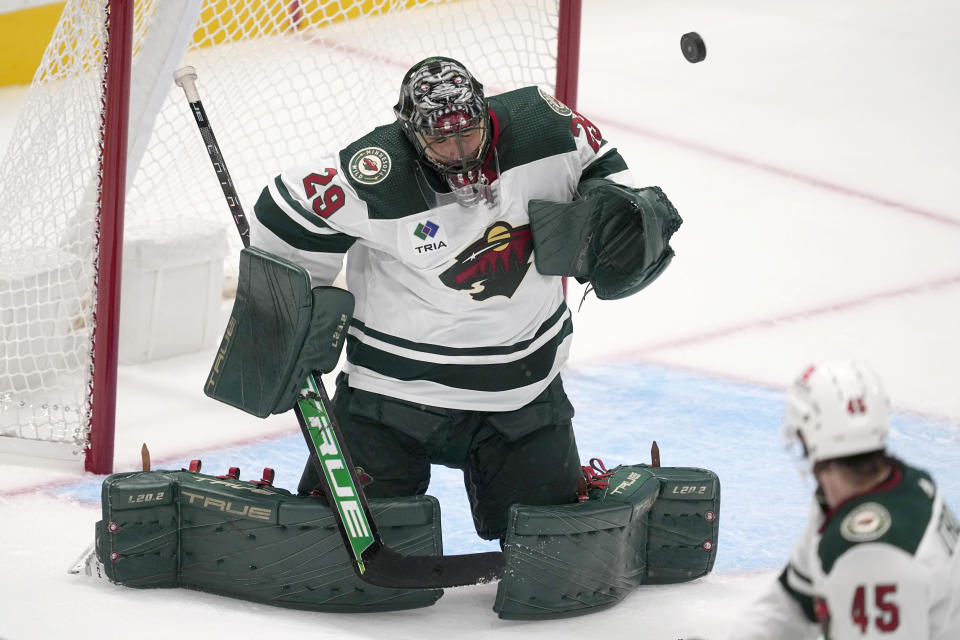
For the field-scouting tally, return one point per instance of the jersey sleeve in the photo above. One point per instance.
(598, 158)
(796, 578)
(786, 609)
(311, 217)
(876, 590)
(775, 614)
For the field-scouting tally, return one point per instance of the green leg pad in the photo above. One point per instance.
(651, 525)
(178, 528)
(572, 559)
(684, 525)
(138, 539)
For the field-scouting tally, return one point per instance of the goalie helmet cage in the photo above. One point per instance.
(286, 81)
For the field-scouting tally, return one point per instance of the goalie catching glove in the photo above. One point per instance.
(615, 237)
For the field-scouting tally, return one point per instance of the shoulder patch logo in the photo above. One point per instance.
(555, 104)
(867, 522)
(370, 165)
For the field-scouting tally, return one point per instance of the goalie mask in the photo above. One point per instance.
(444, 115)
(836, 410)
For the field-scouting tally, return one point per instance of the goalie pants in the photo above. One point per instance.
(526, 456)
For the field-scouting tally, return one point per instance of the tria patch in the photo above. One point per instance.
(426, 236)
(426, 230)
(555, 104)
(370, 165)
(867, 522)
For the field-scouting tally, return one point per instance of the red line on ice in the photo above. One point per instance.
(784, 173)
(763, 323)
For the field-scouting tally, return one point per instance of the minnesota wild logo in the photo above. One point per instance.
(370, 165)
(555, 104)
(494, 265)
(867, 522)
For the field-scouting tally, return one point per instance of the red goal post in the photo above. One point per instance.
(104, 158)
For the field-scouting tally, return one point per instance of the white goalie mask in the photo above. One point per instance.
(836, 410)
(444, 115)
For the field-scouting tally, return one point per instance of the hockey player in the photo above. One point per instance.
(879, 557)
(456, 343)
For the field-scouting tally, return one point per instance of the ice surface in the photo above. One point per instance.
(812, 157)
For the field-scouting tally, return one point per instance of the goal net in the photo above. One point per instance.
(282, 81)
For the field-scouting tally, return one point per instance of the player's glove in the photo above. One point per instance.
(615, 237)
(280, 330)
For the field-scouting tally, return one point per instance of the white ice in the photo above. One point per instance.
(812, 156)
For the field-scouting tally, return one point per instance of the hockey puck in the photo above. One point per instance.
(692, 46)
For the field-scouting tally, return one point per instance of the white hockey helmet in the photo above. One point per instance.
(837, 409)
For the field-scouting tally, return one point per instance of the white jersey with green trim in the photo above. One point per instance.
(883, 565)
(450, 309)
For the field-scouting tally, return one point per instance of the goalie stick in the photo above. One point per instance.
(373, 561)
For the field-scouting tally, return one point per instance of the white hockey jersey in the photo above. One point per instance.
(450, 309)
(883, 565)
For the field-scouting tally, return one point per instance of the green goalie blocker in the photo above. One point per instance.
(652, 525)
(258, 543)
(279, 331)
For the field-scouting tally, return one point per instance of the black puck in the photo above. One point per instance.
(692, 46)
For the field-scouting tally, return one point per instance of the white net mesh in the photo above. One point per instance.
(282, 82)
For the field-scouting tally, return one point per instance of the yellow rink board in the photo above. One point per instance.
(24, 34)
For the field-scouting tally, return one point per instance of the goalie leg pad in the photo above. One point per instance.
(185, 529)
(652, 525)
(684, 525)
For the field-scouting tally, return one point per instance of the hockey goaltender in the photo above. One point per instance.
(454, 347)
